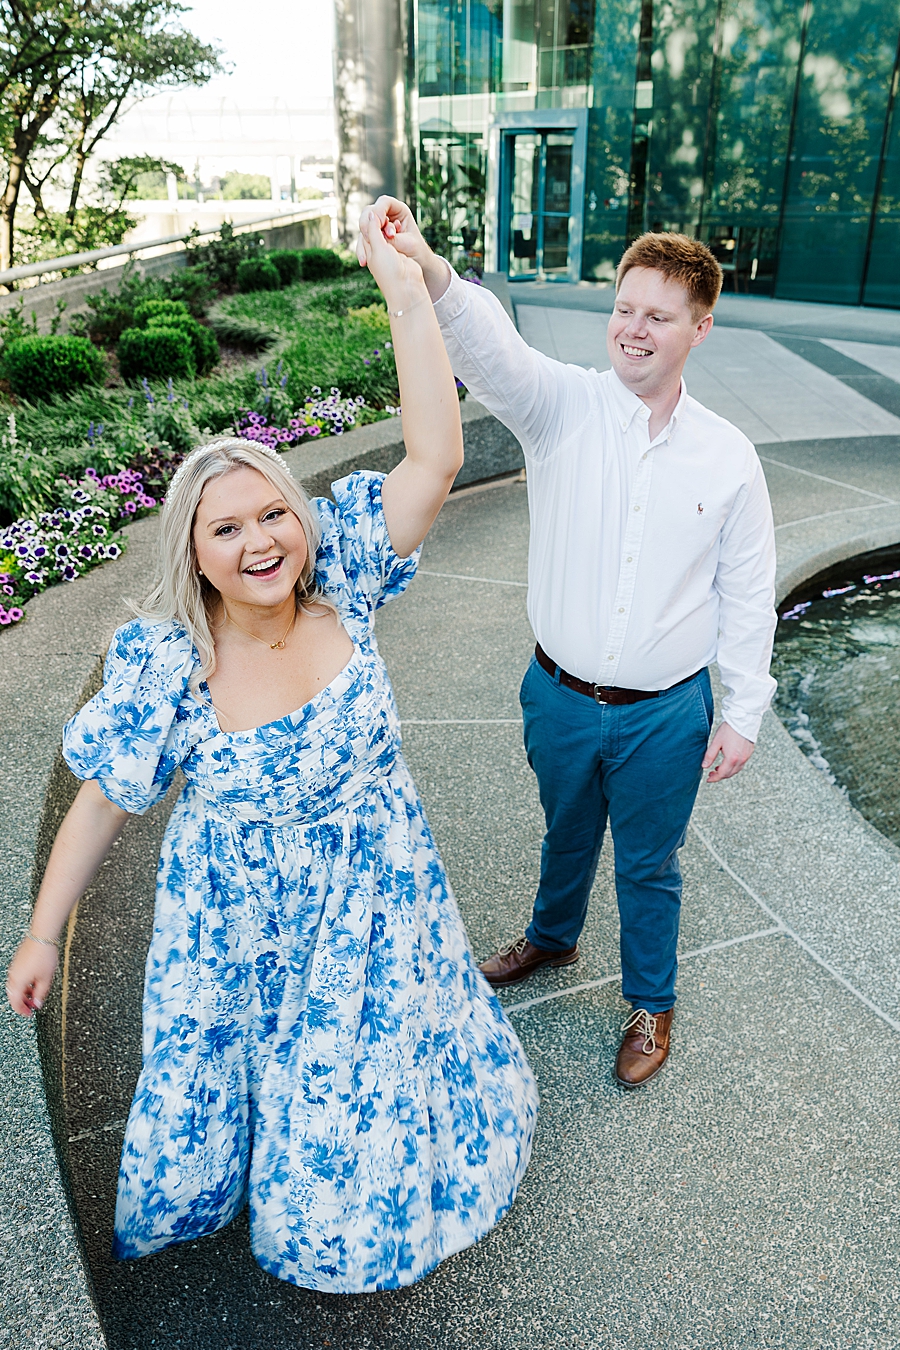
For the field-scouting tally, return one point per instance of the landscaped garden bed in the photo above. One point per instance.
(96, 422)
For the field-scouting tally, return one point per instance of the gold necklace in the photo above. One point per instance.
(274, 646)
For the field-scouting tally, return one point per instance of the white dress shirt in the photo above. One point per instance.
(648, 559)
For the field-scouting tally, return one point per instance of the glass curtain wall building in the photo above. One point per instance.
(549, 133)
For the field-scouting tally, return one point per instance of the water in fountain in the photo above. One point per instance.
(837, 662)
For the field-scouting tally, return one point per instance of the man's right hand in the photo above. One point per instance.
(398, 225)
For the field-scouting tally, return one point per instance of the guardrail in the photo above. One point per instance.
(168, 243)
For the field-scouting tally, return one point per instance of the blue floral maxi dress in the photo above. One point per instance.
(317, 1036)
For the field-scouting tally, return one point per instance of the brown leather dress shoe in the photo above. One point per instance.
(645, 1047)
(521, 959)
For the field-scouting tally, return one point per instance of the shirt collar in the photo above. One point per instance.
(628, 405)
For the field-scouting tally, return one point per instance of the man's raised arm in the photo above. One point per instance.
(541, 400)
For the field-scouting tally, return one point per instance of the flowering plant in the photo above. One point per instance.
(321, 414)
(64, 543)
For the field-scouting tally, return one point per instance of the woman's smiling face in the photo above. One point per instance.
(249, 544)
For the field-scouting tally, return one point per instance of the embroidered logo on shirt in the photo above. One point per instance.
(699, 508)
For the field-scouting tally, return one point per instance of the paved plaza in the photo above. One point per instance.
(748, 1198)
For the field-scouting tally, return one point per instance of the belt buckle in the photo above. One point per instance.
(601, 693)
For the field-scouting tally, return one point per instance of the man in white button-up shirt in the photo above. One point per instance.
(651, 555)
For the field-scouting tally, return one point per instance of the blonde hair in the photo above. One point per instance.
(182, 595)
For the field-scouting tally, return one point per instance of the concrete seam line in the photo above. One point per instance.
(826, 515)
(608, 979)
(810, 951)
(460, 721)
(835, 482)
(455, 576)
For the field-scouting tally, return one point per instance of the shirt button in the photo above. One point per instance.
(644, 455)
(637, 508)
(610, 658)
(621, 609)
(624, 426)
(628, 560)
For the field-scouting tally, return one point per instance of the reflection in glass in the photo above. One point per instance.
(768, 128)
(838, 130)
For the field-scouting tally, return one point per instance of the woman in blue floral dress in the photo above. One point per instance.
(318, 1041)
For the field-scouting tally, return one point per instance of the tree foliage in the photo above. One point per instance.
(69, 69)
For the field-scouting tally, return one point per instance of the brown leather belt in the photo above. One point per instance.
(601, 693)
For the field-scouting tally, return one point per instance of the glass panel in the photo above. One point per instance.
(525, 176)
(748, 133)
(518, 45)
(883, 276)
(609, 137)
(558, 182)
(450, 192)
(681, 65)
(839, 125)
(555, 253)
(564, 36)
(459, 46)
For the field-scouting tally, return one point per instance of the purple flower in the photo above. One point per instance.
(68, 573)
(16, 614)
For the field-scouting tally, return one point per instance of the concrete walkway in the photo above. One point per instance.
(749, 1197)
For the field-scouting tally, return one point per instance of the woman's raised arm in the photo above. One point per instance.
(84, 839)
(415, 491)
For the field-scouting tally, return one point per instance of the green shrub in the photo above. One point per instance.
(38, 367)
(156, 354)
(287, 261)
(220, 258)
(203, 343)
(193, 287)
(109, 313)
(148, 311)
(320, 264)
(258, 274)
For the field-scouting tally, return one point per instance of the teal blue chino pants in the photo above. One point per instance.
(637, 767)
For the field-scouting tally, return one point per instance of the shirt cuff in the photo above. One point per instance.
(454, 300)
(744, 723)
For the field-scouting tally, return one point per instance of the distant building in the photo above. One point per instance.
(546, 134)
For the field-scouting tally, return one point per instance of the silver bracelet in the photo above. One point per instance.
(398, 313)
(44, 942)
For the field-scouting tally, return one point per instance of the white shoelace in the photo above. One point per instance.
(645, 1023)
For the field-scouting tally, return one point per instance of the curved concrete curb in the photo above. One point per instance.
(49, 665)
(52, 662)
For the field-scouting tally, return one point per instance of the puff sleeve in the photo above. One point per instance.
(355, 554)
(128, 737)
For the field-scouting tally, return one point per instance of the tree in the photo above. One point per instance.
(68, 70)
(145, 54)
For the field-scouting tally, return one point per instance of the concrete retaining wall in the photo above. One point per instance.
(43, 300)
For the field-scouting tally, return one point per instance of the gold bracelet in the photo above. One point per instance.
(398, 313)
(44, 942)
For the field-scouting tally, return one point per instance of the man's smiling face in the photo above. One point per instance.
(651, 331)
